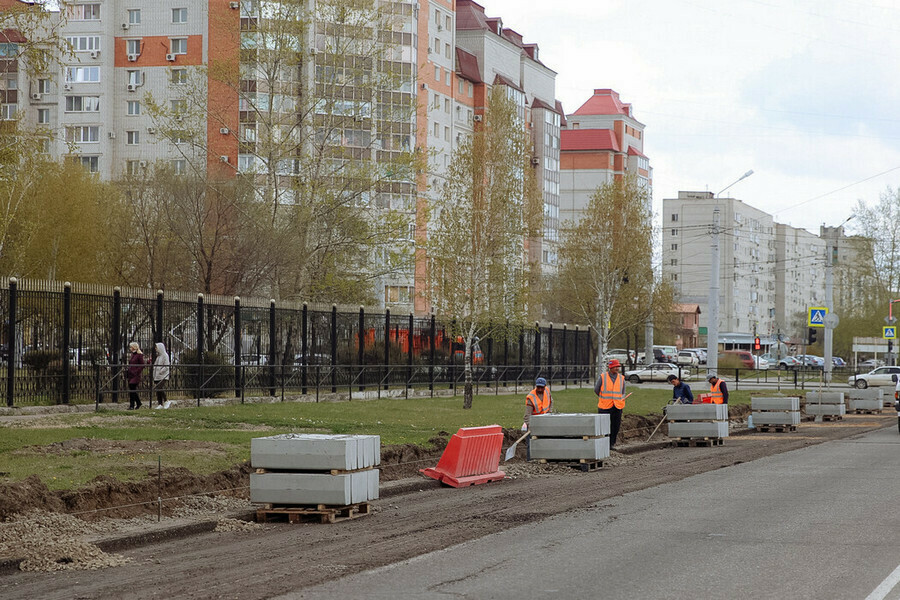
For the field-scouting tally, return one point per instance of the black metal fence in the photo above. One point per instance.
(64, 343)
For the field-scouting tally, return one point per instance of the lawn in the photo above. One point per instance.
(208, 439)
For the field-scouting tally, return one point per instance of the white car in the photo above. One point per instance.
(760, 363)
(655, 372)
(879, 376)
(688, 358)
(619, 354)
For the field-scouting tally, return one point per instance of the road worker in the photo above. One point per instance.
(718, 391)
(681, 392)
(537, 402)
(610, 390)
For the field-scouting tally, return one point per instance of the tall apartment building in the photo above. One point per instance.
(799, 276)
(601, 142)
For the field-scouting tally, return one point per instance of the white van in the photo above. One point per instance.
(670, 353)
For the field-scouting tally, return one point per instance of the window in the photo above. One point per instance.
(134, 16)
(471, 88)
(179, 76)
(44, 145)
(447, 75)
(82, 103)
(83, 12)
(446, 50)
(7, 112)
(135, 77)
(437, 46)
(448, 23)
(447, 105)
(83, 134)
(674, 262)
(12, 82)
(674, 276)
(91, 163)
(674, 231)
(460, 87)
(674, 247)
(178, 106)
(437, 130)
(43, 116)
(43, 86)
(132, 138)
(134, 108)
(674, 217)
(179, 165)
(9, 50)
(132, 46)
(132, 167)
(446, 134)
(82, 74)
(179, 15)
(84, 43)
(437, 100)
(179, 45)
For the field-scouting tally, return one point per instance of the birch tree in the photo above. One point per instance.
(479, 279)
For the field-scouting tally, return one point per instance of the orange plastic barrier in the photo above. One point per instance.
(471, 457)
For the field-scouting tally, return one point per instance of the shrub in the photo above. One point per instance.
(218, 375)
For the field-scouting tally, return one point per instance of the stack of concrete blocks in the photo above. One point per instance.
(776, 411)
(825, 404)
(569, 437)
(868, 400)
(314, 469)
(689, 421)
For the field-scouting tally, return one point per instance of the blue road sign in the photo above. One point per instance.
(889, 333)
(816, 316)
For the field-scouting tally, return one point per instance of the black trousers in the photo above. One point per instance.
(134, 400)
(160, 391)
(615, 421)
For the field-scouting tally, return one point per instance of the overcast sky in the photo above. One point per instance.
(804, 92)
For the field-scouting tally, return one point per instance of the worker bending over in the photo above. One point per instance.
(537, 402)
(717, 389)
(610, 390)
(681, 392)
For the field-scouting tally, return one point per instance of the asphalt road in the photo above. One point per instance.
(819, 522)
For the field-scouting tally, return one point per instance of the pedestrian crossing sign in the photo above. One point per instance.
(889, 333)
(816, 317)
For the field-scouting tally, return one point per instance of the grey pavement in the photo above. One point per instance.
(821, 522)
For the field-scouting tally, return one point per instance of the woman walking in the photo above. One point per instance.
(133, 373)
(160, 373)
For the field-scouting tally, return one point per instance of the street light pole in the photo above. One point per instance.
(741, 178)
(831, 317)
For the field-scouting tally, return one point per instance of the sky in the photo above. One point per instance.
(803, 92)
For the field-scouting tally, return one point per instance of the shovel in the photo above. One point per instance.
(511, 451)
(661, 421)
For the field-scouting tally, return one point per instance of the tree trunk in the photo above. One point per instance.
(467, 369)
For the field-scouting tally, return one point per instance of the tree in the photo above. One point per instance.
(605, 274)
(323, 132)
(488, 206)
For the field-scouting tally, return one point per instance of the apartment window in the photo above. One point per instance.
(447, 51)
(674, 262)
(393, 293)
(437, 100)
(179, 15)
(471, 88)
(84, 43)
(674, 247)
(437, 73)
(437, 130)
(460, 87)
(7, 112)
(82, 103)
(178, 106)
(674, 231)
(448, 23)
(132, 46)
(132, 167)
(44, 145)
(179, 165)
(83, 12)
(437, 17)
(446, 134)
(447, 75)
(674, 276)
(12, 82)
(43, 86)
(179, 76)
(134, 16)
(437, 46)
(82, 74)
(83, 134)
(91, 163)
(447, 105)
(179, 137)
(43, 116)
(132, 138)
(674, 217)
(134, 108)
(135, 77)
(179, 45)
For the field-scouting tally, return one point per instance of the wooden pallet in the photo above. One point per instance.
(583, 464)
(778, 428)
(867, 411)
(698, 442)
(832, 417)
(321, 513)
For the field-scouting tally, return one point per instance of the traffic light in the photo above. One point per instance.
(890, 345)
(756, 345)
(811, 337)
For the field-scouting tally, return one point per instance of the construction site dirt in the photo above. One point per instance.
(414, 516)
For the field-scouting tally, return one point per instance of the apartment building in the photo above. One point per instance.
(600, 142)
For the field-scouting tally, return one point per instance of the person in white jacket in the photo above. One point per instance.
(160, 374)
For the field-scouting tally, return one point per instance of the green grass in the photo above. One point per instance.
(227, 430)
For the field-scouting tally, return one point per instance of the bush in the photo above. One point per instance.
(218, 375)
(41, 359)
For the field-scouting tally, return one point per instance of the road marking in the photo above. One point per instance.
(885, 586)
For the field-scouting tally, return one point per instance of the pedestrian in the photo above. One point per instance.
(537, 402)
(610, 390)
(681, 392)
(718, 391)
(160, 374)
(133, 373)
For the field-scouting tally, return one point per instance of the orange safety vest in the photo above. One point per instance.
(540, 403)
(717, 396)
(612, 393)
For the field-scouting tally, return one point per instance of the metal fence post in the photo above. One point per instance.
(387, 347)
(116, 342)
(66, 341)
(361, 346)
(505, 352)
(238, 348)
(304, 348)
(550, 353)
(271, 360)
(565, 363)
(200, 349)
(333, 348)
(537, 349)
(409, 354)
(159, 316)
(431, 358)
(11, 343)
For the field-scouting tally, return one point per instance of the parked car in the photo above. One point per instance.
(620, 354)
(811, 360)
(760, 363)
(669, 353)
(687, 358)
(870, 364)
(701, 354)
(837, 361)
(743, 357)
(781, 362)
(879, 376)
(654, 372)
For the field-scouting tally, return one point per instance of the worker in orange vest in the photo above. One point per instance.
(717, 390)
(537, 402)
(610, 390)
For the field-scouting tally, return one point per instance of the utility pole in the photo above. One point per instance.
(712, 325)
(829, 304)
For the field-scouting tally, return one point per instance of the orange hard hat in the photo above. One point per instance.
(614, 363)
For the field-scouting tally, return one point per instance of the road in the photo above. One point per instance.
(819, 522)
